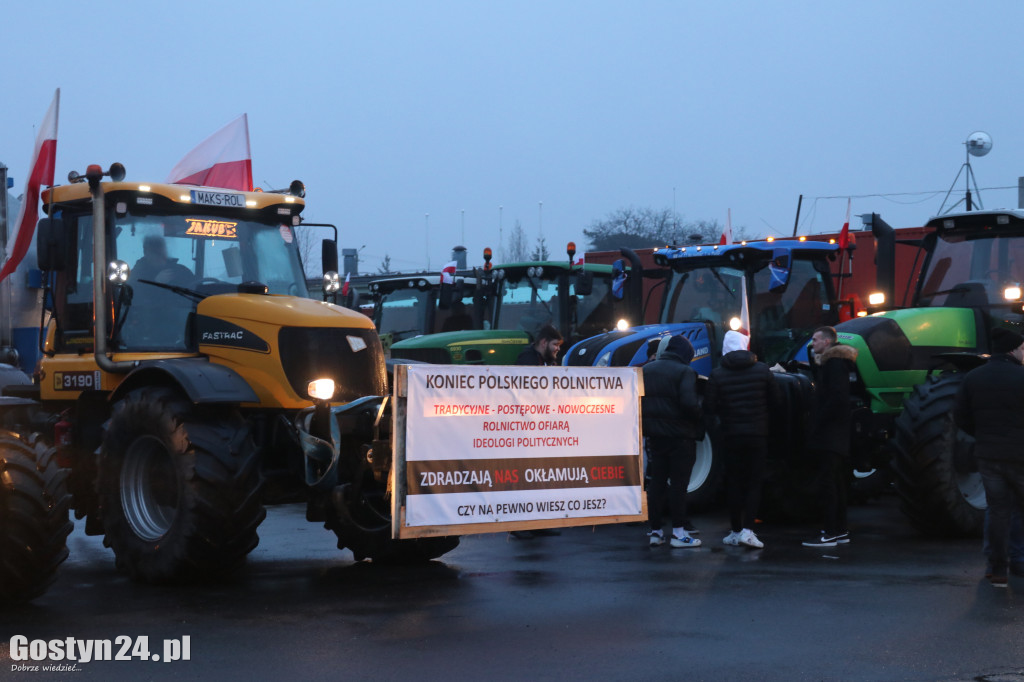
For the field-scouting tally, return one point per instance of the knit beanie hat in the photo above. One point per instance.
(682, 347)
(735, 340)
(1005, 340)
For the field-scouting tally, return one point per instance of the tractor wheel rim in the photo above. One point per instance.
(149, 488)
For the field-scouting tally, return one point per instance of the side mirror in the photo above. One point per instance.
(329, 255)
(51, 244)
(780, 269)
(584, 283)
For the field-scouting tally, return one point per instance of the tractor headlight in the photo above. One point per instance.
(876, 298)
(735, 324)
(622, 325)
(321, 389)
(117, 272)
(604, 359)
(332, 281)
(1012, 292)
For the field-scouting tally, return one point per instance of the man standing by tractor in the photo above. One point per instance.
(739, 397)
(544, 349)
(989, 405)
(834, 370)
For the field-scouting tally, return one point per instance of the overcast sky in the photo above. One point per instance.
(550, 113)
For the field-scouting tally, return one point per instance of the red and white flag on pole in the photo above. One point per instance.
(727, 232)
(344, 287)
(44, 158)
(844, 234)
(221, 160)
(448, 273)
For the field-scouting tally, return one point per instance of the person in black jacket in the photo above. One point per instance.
(834, 370)
(544, 349)
(738, 398)
(673, 422)
(989, 406)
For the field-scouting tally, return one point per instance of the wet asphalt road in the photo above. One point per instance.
(594, 603)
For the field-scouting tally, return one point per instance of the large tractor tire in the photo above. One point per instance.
(34, 520)
(365, 530)
(179, 490)
(939, 487)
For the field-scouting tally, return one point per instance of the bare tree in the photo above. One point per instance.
(385, 265)
(645, 227)
(540, 251)
(517, 248)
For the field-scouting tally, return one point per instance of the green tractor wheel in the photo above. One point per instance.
(940, 489)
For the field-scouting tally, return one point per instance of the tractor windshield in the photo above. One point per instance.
(707, 294)
(171, 255)
(407, 311)
(778, 318)
(972, 270)
(783, 317)
(527, 303)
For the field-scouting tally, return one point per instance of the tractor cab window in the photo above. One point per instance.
(402, 313)
(969, 271)
(594, 313)
(527, 304)
(175, 260)
(708, 294)
(778, 318)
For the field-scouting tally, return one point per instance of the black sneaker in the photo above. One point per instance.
(822, 541)
(843, 538)
(998, 578)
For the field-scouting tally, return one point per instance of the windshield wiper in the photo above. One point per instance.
(181, 291)
(724, 285)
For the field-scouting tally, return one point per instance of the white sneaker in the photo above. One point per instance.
(684, 540)
(657, 539)
(748, 538)
(733, 538)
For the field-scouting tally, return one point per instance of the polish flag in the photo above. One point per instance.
(221, 160)
(448, 273)
(727, 232)
(44, 158)
(344, 287)
(844, 234)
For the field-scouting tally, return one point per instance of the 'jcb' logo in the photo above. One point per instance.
(211, 228)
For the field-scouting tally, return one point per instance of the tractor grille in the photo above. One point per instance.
(435, 356)
(308, 354)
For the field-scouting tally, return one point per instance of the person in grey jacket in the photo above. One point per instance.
(673, 422)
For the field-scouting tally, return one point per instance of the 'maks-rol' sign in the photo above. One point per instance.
(508, 444)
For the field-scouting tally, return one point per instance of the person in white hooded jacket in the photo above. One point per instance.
(738, 399)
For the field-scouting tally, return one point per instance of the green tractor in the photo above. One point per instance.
(579, 300)
(912, 361)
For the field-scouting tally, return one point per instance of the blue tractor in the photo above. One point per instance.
(787, 286)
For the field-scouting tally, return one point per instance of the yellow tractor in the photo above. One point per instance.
(187, 379)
